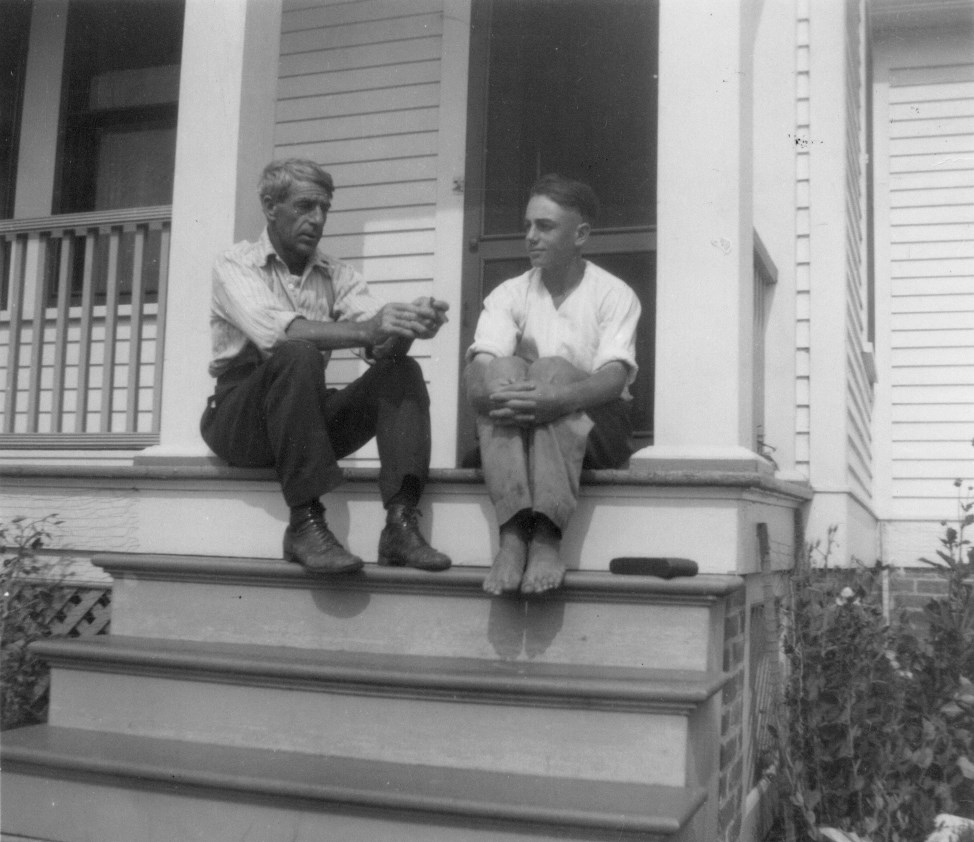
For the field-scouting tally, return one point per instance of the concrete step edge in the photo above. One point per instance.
(321, 782)
(419, 676)
(212, 469)
(579, 585)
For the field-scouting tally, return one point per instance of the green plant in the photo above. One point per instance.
(843, 702)
(876, 735)
(25, 616)
(938, 651)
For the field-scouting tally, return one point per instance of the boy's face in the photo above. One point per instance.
(553, 234)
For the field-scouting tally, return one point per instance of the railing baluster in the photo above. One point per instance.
(111, 330)
(84, 339)
(15, 287)
(61, 330)
(37, 336)
(6, 250)
(45, 264)
(163, 298)
(135, 330)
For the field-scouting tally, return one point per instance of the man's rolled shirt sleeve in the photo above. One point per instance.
(242, 298)
(354, 301)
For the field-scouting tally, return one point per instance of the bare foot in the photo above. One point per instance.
(545, 570)
(508, 567)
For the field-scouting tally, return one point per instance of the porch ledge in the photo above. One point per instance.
(589, 686)
(579, 585)
(210, 469)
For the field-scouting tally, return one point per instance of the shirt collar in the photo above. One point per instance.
(266, 252)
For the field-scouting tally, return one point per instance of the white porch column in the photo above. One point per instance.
(775, 217)
(42, 109)
(451, 155)
(704, 315)
(37, 150)
(227, 96)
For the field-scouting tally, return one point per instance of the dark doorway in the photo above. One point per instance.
(567, 86)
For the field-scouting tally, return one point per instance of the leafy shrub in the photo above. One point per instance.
(877, 732)
(938, 653)
(25, 616)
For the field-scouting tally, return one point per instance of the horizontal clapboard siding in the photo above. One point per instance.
(931, 247)
(859, 389)
(802, 247)
(359, 91)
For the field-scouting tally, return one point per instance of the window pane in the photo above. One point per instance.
(135, 166)
(122, 89)
(14, 32)
(556, 104)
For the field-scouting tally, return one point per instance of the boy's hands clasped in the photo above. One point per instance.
(526, 403)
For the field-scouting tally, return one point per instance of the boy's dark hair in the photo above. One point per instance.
(568, 193)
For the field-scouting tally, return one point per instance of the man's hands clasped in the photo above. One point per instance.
(395, 326)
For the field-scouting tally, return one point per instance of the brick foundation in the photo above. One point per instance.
(731, 776)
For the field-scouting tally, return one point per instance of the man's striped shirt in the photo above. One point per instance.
(255, 299)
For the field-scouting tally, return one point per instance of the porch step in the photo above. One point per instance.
(207, 508)
(613, 685)
(66, 784)
(595, 619)
(570, 721)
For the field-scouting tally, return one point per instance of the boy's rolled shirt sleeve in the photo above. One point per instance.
(497, 332)
(618, 318)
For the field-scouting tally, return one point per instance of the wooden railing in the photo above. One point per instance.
(82, 321)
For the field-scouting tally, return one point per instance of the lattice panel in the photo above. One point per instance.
(76, 612)
(83, 611)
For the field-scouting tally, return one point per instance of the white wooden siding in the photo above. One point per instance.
(359, 91)
(802, 244)
(851, 426)
(929, 132)
(859, 390)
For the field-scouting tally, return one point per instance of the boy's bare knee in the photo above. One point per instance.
(555, 370)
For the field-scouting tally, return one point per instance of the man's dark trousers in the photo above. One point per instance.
(280, 413)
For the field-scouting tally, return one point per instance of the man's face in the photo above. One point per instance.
(553, 234)
(295, 224)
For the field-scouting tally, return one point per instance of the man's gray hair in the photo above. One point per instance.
(279, 176)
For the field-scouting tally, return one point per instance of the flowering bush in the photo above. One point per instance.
(25, 616)
(877, 732)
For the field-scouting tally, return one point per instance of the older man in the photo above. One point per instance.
(547, 375)
(280, 307)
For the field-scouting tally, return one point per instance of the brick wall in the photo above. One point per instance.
(731, 780)
(911, 588)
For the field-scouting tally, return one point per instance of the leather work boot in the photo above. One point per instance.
(402, 545)
(309, 542)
